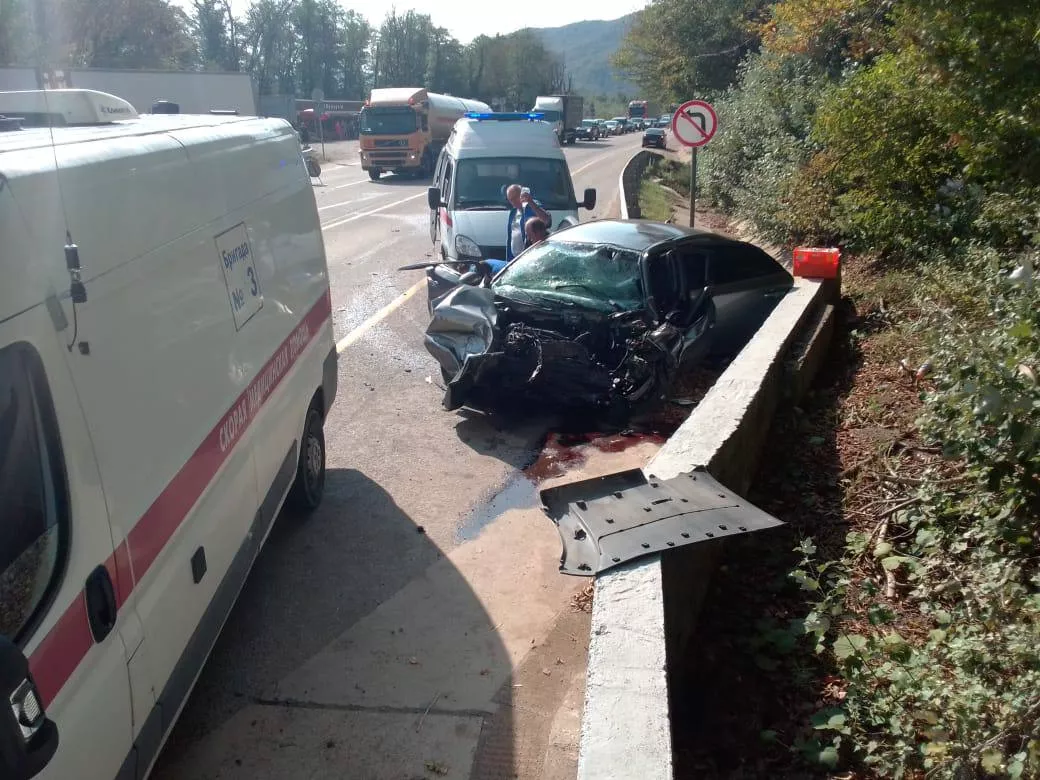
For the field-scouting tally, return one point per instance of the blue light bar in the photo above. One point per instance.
(506, 116)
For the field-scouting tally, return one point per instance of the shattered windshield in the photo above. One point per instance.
(599, 276)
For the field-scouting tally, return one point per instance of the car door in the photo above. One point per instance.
(61, 580)
(697, 309)
(746, 286)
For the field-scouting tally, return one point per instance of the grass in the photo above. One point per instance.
(655, 202)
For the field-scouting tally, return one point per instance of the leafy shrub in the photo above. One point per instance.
(895, 172)
(951, 685)
(765, 123)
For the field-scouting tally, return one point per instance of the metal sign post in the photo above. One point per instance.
(693, 125)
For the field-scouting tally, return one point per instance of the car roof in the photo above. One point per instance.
(635, 234)
(654, 130)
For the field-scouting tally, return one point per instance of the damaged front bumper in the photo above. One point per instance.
(489, 352)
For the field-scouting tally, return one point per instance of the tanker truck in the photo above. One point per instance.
(403, 129)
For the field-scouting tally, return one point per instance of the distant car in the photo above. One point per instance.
(602, 315)
(588, 130)
(664, 120)
(622, 122)
(654, 137)
(613, 128)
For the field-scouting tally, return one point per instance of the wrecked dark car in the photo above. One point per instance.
(601, 316)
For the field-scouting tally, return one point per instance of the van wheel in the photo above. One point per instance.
(309, 487)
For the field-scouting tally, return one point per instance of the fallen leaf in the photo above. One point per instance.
(436, 767)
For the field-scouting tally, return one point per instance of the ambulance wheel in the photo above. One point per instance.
(309, 487)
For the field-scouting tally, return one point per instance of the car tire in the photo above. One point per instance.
(309, 486)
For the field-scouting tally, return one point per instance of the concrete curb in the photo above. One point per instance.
(628, 182)
(645, 613)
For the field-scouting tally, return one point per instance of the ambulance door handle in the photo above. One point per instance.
(101, 603)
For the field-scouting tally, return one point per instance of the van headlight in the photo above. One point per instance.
(467, 247)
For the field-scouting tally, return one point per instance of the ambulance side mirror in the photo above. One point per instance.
(590, 199)
(433, 198)
(28, 739)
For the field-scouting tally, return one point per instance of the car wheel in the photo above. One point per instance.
(309, 487)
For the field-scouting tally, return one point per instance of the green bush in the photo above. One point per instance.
(951, 686)
(763, 139)
(895, 174)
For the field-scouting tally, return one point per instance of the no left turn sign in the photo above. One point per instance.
(694, 123)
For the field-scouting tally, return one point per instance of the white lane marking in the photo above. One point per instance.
(348, 184)
(380, 315)
(363, 214)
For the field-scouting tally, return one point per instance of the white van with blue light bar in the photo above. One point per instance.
(485, 154)
(167, 362)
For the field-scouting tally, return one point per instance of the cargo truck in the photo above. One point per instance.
(563, 112)
(403, 129)
(642, 110)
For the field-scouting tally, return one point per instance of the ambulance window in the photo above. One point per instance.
(33, 505)
(447, 182)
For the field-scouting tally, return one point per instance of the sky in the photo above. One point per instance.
(466, 19)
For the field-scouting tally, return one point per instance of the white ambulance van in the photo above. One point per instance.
(166, 364)
(486, 153)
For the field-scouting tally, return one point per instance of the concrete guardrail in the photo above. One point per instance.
(645, 613)
(628, 182)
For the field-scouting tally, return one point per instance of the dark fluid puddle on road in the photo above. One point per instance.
(560, 453)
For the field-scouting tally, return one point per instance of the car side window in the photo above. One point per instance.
(694, 261)
(34, 527)
(732, 263)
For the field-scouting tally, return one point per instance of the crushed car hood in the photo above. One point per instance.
(570, 358)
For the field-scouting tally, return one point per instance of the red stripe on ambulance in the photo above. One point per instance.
(69, 640)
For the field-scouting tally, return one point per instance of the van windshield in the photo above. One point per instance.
(388, 121)
(480, 182)
(548, 115)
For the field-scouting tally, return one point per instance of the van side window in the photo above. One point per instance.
(446, 189)
(33, 499)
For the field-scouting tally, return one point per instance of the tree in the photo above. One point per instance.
(680, 48)
(127, 34)
(16, 33)
(401, 52)
(216, 35)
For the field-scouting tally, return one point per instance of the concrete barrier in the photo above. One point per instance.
(628, 182)
(645, 613)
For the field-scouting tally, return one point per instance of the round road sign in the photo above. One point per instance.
(694, 123)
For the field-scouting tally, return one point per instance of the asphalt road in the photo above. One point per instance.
(384, 635)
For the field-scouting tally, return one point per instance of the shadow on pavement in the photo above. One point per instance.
(513, 438)
(355, 620)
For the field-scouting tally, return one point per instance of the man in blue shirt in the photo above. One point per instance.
(522, 208)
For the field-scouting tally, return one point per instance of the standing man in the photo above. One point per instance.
(522, 208)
